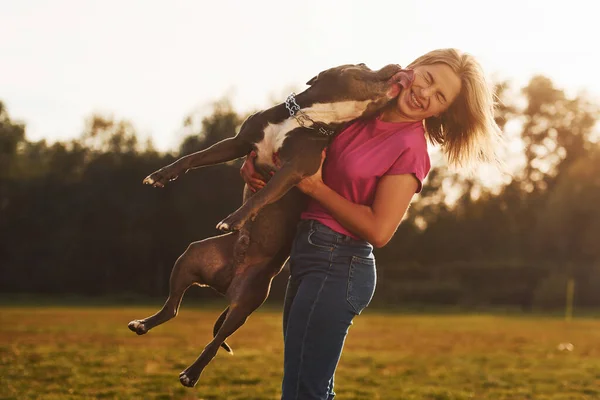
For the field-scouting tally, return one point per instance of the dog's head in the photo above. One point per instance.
(357, 82)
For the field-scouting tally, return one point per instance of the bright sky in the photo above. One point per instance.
(154, 62)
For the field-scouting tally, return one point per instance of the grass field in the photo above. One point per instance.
(88, 353)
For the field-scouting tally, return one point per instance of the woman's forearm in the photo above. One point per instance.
(376, 223)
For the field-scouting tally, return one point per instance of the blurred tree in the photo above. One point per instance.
(556, 131)
(104, 134)
(12, 134)
(204, 131)
(569, 224)
(75, 218)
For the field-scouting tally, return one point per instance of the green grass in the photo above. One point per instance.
(88, 353)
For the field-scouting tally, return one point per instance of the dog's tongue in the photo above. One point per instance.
(404, 77)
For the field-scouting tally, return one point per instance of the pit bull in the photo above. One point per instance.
(288, 140)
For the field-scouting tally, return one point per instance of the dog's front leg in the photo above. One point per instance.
(286, 178)
(223, 151)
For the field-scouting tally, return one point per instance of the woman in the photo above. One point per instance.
(358, 198)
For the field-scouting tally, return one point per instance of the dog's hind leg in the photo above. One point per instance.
(218, 325)
(205, 263)
(252, 292)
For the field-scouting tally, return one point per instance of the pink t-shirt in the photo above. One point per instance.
(362, 153)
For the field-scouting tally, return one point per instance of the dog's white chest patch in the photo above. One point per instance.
(326, 113)
(274, 135)
(340, 112)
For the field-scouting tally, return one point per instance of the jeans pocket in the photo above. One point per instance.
(319, 239)
(362, 279)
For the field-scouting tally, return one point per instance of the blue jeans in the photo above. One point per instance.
(332, 279)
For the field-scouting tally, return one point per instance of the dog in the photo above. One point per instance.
(288, 140)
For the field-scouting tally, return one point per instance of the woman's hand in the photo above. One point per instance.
(254, 180)
(312, 183)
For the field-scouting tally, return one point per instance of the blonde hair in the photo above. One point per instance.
(467, 131)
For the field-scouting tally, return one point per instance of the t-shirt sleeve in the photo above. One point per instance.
(412, 161)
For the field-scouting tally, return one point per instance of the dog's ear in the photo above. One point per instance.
(312, 81)
(316, 78)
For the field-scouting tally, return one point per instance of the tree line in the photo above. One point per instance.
(75, 218)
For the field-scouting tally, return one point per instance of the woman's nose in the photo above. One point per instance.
(427, 91)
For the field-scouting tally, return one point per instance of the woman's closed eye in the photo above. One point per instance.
(428, 78)
(439, 95)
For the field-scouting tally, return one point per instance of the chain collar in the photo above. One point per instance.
(303, 119)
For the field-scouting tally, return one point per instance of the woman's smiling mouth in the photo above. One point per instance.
(413, 100)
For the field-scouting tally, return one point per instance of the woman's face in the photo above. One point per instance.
(433, 89)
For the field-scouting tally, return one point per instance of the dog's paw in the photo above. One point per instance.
(186, 380)
(162, 176)
(149, 180)
(137, 326)
(232, 223)
(155, 179)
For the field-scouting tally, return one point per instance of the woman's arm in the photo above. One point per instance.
(375, 224)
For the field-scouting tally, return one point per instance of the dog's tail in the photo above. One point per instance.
(218, 326)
